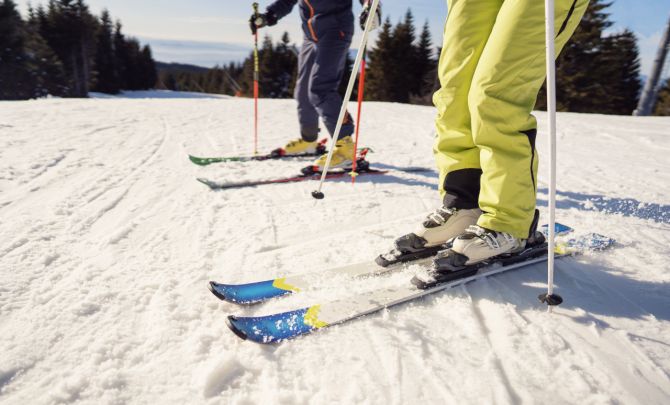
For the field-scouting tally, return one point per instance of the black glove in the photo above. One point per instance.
(261, 20)
(363, 18)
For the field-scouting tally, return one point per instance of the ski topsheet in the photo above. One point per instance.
(214, 185)
(255, 292)
(275, 154)
(204, 161)
(260, 291)
(361, 171)
(277, 327)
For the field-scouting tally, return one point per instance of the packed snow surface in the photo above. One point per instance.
(107, 243)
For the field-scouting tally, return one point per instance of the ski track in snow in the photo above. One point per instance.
(107, 243)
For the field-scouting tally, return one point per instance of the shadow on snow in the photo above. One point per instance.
(592, 288)
(591, 202)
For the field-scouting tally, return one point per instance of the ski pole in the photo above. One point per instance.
(256, 77)
(549, 297)
(361, 89)
(352, 78)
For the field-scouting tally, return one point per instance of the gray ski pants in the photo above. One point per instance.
(320, 68)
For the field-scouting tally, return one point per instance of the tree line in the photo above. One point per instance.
(64, 50)
(278, 70)
(401, 68)
(596, 72)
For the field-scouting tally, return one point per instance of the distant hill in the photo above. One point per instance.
(179, 67)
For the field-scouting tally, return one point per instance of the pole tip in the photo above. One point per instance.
(318, 195)
(551, 300)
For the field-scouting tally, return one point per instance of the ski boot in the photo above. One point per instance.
(300, 147)
(362, 165)
(342, 158)
(478, 247)
(430, 237)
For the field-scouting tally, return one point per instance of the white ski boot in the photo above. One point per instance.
(478, 244)
(437, 229)
(445, 224)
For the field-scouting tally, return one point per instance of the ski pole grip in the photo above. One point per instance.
(258, 20)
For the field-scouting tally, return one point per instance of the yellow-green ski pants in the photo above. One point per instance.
(491, 69)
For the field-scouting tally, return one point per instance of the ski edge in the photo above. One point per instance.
(258, 292)
(305, 320)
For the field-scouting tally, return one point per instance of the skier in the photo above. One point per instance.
(491, 69)
(328, 27)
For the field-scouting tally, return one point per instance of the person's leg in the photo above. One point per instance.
(326, 75)
(504, 88)
(467, 29)
(307, 114)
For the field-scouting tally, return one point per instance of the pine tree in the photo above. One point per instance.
(597, 73)
(107, 78)
(69, 28)
(121, 56)
(402, 70)
(170, 81)
(621, 73)
(404, 58)
(64, 50)
(132, 63)
(47, 69)
(283, 68)
(663, 101)
(579, 77)
(277, 66)
(15, 82)
(148, 75)
(379, 76)
(425, 71)
(27, 66)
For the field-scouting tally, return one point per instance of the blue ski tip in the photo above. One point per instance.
(271, 328)
(230, 322)
(559, 229)
(250, 293)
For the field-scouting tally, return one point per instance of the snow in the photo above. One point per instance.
(107, 243)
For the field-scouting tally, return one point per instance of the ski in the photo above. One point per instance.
(363, 169)
(214, 185)
(274, 155)
(261, 291)
(287, 325)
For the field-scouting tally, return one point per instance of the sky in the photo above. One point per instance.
(208, 32)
